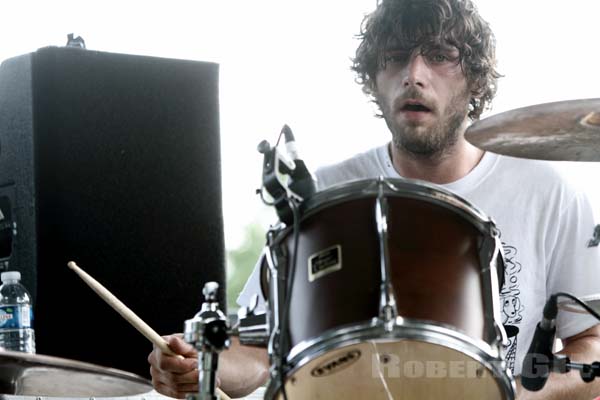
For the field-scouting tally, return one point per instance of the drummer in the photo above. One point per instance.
(430, 67)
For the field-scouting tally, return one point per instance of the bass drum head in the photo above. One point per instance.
(384, 369)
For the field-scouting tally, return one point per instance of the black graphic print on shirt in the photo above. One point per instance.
(510, 300)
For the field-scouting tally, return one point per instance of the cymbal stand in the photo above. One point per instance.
(208, 331)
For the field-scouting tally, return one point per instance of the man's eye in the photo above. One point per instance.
(395, 58)
(438, 58)
(441, 57)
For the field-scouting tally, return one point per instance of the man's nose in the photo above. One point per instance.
(417, 71)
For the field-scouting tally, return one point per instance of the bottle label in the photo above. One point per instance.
(15, 317)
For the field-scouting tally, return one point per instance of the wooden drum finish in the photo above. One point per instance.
(344, 296)
(434, 259)
(436, 273)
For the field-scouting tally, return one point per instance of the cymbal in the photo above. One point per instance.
(560, 131)
(593, 301)
(39, 375)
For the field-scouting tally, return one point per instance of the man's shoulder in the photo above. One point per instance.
(363, 165)
(541, 177)
(530, 169)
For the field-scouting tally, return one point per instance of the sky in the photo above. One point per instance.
(287, 62)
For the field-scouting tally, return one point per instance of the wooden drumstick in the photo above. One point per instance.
(130, 316)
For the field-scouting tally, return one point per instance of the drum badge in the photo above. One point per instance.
(324, 262)
(344, 360)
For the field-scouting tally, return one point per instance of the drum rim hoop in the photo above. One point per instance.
(358, 333)
(411, 188)
(376, 326)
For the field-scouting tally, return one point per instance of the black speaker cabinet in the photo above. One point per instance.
(112, 161)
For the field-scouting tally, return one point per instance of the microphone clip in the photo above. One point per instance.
(284, 179)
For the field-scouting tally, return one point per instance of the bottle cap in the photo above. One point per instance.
(10, 276)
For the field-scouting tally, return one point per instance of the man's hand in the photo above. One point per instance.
(174, 376)
(242, 369)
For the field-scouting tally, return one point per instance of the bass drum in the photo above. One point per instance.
(443, 264)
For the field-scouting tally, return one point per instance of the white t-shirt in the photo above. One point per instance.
(545, 226)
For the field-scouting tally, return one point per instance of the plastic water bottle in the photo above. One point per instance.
(16, 315)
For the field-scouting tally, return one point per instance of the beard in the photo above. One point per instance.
(432, 141)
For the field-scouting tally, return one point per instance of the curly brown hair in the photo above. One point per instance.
(412, 24)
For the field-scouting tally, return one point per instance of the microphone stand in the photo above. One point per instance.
(288, 182)
(540, 361)
(562, 364)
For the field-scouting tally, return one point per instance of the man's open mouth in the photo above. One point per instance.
(415, 106)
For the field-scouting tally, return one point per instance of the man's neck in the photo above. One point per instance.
(450, 166)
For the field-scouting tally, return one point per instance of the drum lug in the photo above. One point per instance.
(273, 303)
(277, 259)
(388, 310)
(491, 255)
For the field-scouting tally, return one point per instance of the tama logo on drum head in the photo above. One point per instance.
(334, 365)
(324, 262)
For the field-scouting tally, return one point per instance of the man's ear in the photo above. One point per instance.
(477, 90)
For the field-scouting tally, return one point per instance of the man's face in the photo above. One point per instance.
(424, 98)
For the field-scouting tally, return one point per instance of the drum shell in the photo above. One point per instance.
(443, 255)
(436, 265)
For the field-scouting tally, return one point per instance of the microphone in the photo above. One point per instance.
(538, 362)
(301, 181)
(290, 142)
(285, 176)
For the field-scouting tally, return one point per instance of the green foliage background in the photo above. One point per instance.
(241, 261)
